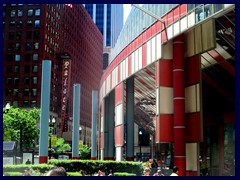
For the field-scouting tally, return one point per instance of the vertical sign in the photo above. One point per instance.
(66, 73)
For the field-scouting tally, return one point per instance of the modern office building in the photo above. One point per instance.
(109, 20)
(64, 34)
(172, 81)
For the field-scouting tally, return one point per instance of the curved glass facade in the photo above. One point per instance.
(136, 23)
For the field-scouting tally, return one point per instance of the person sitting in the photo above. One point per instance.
(159, 173)
(146, 171)
(57, 171)
(26, 172)
(28, 162)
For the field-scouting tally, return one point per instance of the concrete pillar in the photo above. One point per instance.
(130, 119)
(94, 125)
(111, 124)
(106, 128)
(76, 121)
(44, 116)
(179, 105)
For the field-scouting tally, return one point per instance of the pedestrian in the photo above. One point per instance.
(57, 171)
(175, 171)
(146, 171)
(26, 172)
(83, 173)
(159, 173)
(28, 162)
(154, 167)
(110, 173)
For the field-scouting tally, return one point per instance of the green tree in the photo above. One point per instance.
(15, 119)
(85, 152)
(61, 146)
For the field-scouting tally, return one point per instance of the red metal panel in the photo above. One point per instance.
(140, 40)
(119, 94)
(166, 128)
(179, 141)
(129, 65)
(183, 9)
(193, 127)
(169, 17)
(229, 117)
(181, 163)
(119, 135)
(192, 70)
(158, 26)
(43, 159)
(144, 36)
(191, 173)
(148, 33)
(178, 83)
(153, 29)
(179, 112)
(176, 13)
(225, 64)
(166, 77)
(144, 55)
(164, 36)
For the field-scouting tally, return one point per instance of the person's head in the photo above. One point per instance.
(27, 171)
(57, 171)
(146, 171)
(159, 172)
(175, 169)
(83, 172)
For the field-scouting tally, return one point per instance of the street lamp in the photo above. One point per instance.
(7, 107)
(140, 144)
(51, 125)
(80, 129)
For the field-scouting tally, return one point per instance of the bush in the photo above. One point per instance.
(74, 174)
(41, 168)
(124, 174)
(13, 174)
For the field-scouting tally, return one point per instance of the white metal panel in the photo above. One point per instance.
(159, 46)
(192, 99)
(153, 58)
(133, 63)
(170, 32)
(191, 19)
(183, 26)
(121, 71)
(116, 75)
(119, 153)
(192, 156)
(168, 50)
(222, 52)
(136, 60)
(118, 115)
(176, 28)
(126, 67)
(140, 57)
(148, 52)
(166, 100)
(207, 60)
(157, 100)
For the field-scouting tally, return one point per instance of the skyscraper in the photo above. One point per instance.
(64, 34)
(109, 20)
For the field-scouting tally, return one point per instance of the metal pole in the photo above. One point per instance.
(152, 15)
(50, 143)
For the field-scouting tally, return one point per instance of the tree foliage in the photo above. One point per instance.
(85, 152)
(61, 146)
(15, 119)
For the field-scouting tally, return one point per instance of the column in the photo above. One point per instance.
(44, 116)
(76, 121)
(106, 128)
(130, 118)
(179, 105)
(111, 124)
(119, 121)
(94, 125)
